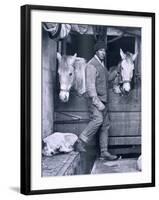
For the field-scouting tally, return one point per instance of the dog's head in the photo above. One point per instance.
(46, 150)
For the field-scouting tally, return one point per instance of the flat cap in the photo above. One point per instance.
(99, 45)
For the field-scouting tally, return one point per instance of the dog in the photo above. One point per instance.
(58, 142)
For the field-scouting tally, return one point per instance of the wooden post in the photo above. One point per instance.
(49, 48)
(106, 45)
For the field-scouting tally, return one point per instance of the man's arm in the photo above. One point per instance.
(91, 74)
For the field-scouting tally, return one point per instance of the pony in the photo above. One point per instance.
(71, 71)
(125, 72)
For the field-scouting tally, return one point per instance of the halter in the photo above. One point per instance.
(63, 90)
(120, 82)
(126, 82)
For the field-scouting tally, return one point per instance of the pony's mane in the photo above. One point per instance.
(79, 82)
(79, 62)
(79, 72)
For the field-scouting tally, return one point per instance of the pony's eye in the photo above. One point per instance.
(70, 74)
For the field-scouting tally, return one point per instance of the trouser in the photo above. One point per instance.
(98, 119)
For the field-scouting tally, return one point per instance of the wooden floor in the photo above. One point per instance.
(61, 165)
(119, 166)
(74, 164)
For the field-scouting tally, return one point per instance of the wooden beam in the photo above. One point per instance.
(125, 140)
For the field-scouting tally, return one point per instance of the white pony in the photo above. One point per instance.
(71, 71)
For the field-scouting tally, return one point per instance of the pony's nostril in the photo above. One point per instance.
(52, 153)
(65, 98)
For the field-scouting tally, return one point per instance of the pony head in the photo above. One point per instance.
(126, 69)
(66, 75)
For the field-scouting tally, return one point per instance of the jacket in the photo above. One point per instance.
(97, 80)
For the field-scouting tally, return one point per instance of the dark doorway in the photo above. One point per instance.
(113, 49)
(82, 45)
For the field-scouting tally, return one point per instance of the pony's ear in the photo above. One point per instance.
(73, 58)
(59, 56)
(134, 56)
(122, 54)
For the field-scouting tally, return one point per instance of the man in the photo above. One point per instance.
(97, 91)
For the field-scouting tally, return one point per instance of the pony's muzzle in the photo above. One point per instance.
(126, 87)
(64, 96)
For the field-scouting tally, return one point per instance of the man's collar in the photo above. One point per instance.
(102, 63)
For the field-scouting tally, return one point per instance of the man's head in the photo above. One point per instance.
(99, 49)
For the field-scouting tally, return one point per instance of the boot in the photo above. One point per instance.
(80, 146)
(107, 156)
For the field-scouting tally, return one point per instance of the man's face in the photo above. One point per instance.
(101, 54)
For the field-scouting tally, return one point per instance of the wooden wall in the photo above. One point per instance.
(49, 47)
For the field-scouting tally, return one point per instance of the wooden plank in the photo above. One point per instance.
(114, 131)
(119, 166)
(125, 123)
(71, 115)
(131, 103)
(115, 31)
(124, 140)
(69, 124)
(60, 165)
(122, 123)
(125, 116)
(85, 115)
(48, 67)
(67, 128)
(47, 113)
(134, 149)
(117, 102)
(125, 129)
(75, 103)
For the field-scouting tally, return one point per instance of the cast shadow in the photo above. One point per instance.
(15, 189)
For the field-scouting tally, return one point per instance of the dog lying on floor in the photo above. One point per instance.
(58, 142)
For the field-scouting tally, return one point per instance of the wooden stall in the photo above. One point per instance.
(125, 111)
(73, 116)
